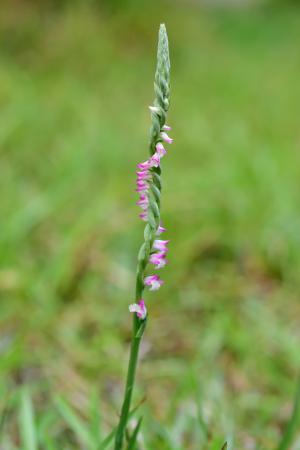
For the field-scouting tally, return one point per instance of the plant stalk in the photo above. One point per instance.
(138, 328)
(161, 105)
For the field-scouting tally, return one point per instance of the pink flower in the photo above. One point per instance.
(139, 308)
(143, 202)
(145, 165)
(166, 128)
(144, 216)
(155, 160)
(141, 190)
(160, 230)
(143, 175)
(154, 109)
(142, 186)
(154, 282)
(160, 245)
(160, 150)
(158, 259)
(142, 183)
(166, 138)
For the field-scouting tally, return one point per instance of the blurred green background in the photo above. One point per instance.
(222, 344)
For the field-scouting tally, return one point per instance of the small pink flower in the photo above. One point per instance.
(139, 308)
(160, 150)
(155, 160)
(143, 175)
(142, 186)
(143, 197)
(145, 165)
(160, 245)
(160, 230)
(154, 282)
(154, 109)
(158, 259)
(142, 183)
(166, 138)
(143, 202)
(143, 205)
(166, 128)
(141, 190)
(144, 216)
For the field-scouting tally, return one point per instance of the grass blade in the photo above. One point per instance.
(104, 444)
(132, 440)
(27, 423)
(95, 420)
(293, 423)
(218, 444)
(80, 430)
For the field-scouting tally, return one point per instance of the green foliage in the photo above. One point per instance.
(133, 438)
(293, 424)
(76, 424)
(27, 423)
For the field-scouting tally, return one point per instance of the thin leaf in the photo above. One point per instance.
(27, 423)
(45, 423)
(80, 430)
(164, 436)
(104, 444)
(218, 444)
(95, 420)
(293, 423)
(133, 438)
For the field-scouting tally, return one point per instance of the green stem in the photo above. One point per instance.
(138, 328)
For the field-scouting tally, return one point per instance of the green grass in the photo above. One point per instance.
(221, 352)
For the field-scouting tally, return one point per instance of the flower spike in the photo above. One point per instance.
(148, 186)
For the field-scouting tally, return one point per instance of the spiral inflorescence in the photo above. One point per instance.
(153, 250)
